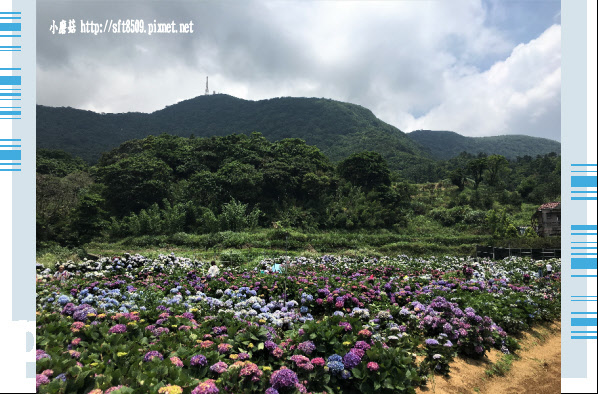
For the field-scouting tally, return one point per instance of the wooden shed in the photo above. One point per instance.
(547, 219)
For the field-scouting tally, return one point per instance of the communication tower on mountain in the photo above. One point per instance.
(207, 90)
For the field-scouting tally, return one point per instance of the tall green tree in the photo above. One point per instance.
(56, 199)
(241, 181)
(135, 182)
(89, 217)
(366, 169)
(475, 169)
(496, 166)
(458, 178)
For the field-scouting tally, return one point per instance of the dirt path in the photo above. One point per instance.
(537, 370)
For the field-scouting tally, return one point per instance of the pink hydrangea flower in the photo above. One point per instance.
(176, 361)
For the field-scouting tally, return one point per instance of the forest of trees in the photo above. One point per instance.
(167, 184)
(445, 145)
(337, 128)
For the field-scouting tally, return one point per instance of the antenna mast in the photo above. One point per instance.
(207, 90)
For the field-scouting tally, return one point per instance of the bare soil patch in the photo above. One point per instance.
(537, 369)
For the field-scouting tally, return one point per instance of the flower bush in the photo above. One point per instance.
(332, 324)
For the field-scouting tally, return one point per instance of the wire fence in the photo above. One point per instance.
(496, 253)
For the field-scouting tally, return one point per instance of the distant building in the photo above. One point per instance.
(547, 220)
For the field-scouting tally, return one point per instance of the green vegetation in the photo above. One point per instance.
(448, 144)
(502, 366)
(338, 129)
(277, 242)
(244, 192)
(363, 192)
(57, 163)
(163, 323)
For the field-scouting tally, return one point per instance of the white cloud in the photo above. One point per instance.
(430, 64)
(520, 95)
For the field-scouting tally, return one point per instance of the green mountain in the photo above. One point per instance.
(447, 144)
(337, 128)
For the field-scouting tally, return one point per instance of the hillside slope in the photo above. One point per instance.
(337, 128)
(447, 144)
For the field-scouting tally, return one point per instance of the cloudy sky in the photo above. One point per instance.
(475, 67)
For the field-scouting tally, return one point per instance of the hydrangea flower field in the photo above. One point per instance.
(337, 325)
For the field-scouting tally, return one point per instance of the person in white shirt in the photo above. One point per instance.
(214, 270)
(61, 274)
(548, 269)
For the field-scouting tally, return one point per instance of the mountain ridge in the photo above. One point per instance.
(443, 144)
(337, 128)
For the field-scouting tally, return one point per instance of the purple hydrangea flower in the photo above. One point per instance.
(152, 355)
(41, 379)
(219, 367)
(351, 360)
(160, 330)
(270, 345)
(283, 378)
(306, 347)
(206, 387)
(39, 354)
(118, 329)
(199, 360)
(81, 312)
(219, 330)
(68, 309)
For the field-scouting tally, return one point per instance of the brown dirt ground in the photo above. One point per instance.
(537, 370)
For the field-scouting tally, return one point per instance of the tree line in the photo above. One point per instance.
(167, 184)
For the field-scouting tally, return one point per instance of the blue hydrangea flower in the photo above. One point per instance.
(336, 366)
(335, 357)
(62, 377)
